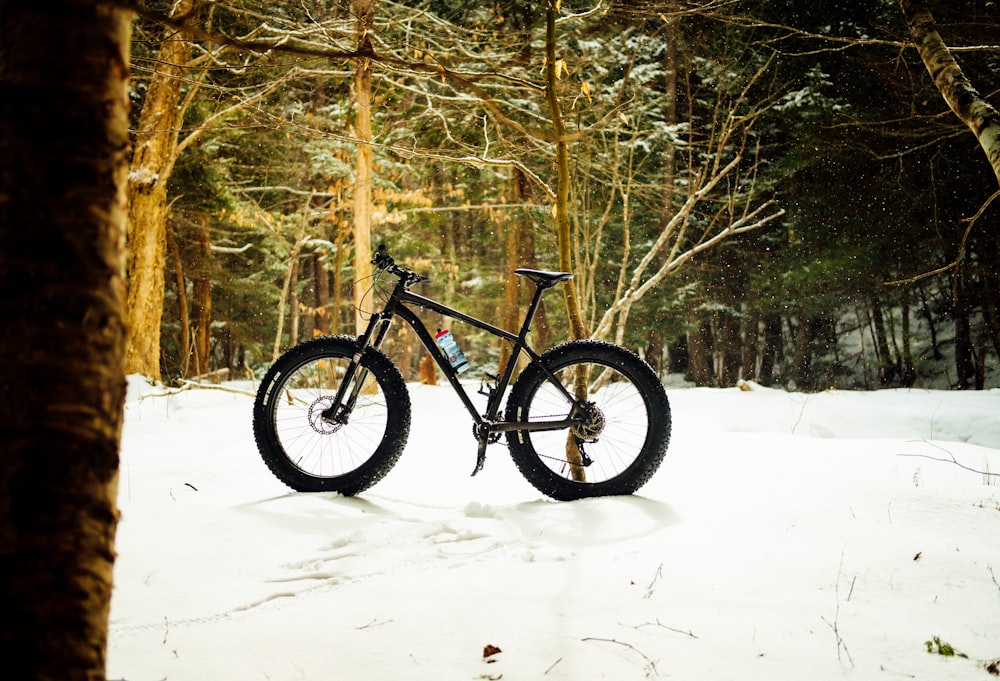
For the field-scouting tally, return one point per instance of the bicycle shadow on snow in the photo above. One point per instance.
(586, 522)
(332, 541)
(594, 521)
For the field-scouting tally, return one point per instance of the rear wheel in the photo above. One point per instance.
(622, 422)
(310, 451)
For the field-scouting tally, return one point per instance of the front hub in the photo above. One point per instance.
(319, 418)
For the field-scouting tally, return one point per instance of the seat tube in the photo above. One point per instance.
(529, 316)
(515, 354)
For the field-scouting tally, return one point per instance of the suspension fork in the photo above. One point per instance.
(355, 374)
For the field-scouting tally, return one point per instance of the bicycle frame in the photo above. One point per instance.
(486, 424)
(584, 418)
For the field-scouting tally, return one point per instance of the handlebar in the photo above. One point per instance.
(383, 261)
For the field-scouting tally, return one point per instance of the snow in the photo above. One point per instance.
(786, 536)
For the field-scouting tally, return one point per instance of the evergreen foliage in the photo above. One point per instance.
(840, 126)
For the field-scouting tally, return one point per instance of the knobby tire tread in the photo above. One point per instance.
(378, 463)
(531, 463)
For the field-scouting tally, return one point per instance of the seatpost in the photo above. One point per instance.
(530, 314)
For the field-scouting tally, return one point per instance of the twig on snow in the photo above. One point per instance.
(657, 577)
(836, 615)
(658, 623)
(950, 459)
(191, 385)
(651, 666)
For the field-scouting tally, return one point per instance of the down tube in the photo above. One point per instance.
(449, 372)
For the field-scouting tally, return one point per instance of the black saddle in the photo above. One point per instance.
(544, 278)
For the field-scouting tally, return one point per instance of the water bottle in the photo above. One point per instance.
(451, 350)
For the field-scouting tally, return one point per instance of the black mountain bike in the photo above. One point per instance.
(584, 418)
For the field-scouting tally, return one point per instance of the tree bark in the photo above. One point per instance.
(63, 166)
(182, 301)
(655, 336)
(908, 371)
(321, 314)
(364, 16)
(338, 278)
(700, 370)
(772, 351)
(802, 360)
(152, 163)
(981, 117)
(518, 231)
(574, 312)
(293, 302)
(886, 362)
(964, 352)
(201, 294)
(727, 348)
(750, 335)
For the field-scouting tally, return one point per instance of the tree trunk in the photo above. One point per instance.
(293, 301)
(925, 310)
(321, 315)
(510, 312)
(338, 279)
(182, 302)
(981, 117)
(908, 370)
(990, 291)
(201, 294)
(574, 313)
(749, 334)
(655, 336)
(518, 231)
(772, 351)
(654, 350)
(63, 159)
(802, 360)
(886, 362)
(700, 371)
(291, 280)
(963, 340)
(727, 348)
(679, 359)
(152, 164)
(364, 15)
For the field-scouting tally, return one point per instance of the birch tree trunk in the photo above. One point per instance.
(63, 164)
(981, 117)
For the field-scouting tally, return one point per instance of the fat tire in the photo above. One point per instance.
(309, 455)
(619, 467)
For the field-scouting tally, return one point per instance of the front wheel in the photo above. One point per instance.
(299, 439)
(621, 421)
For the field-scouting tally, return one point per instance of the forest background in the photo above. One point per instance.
(773, 191)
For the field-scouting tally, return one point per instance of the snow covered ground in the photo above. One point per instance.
(786, 537)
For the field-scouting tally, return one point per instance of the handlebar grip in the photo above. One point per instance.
(382, 259)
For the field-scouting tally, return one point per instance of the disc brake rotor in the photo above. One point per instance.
(319, 423)
(591, 423)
